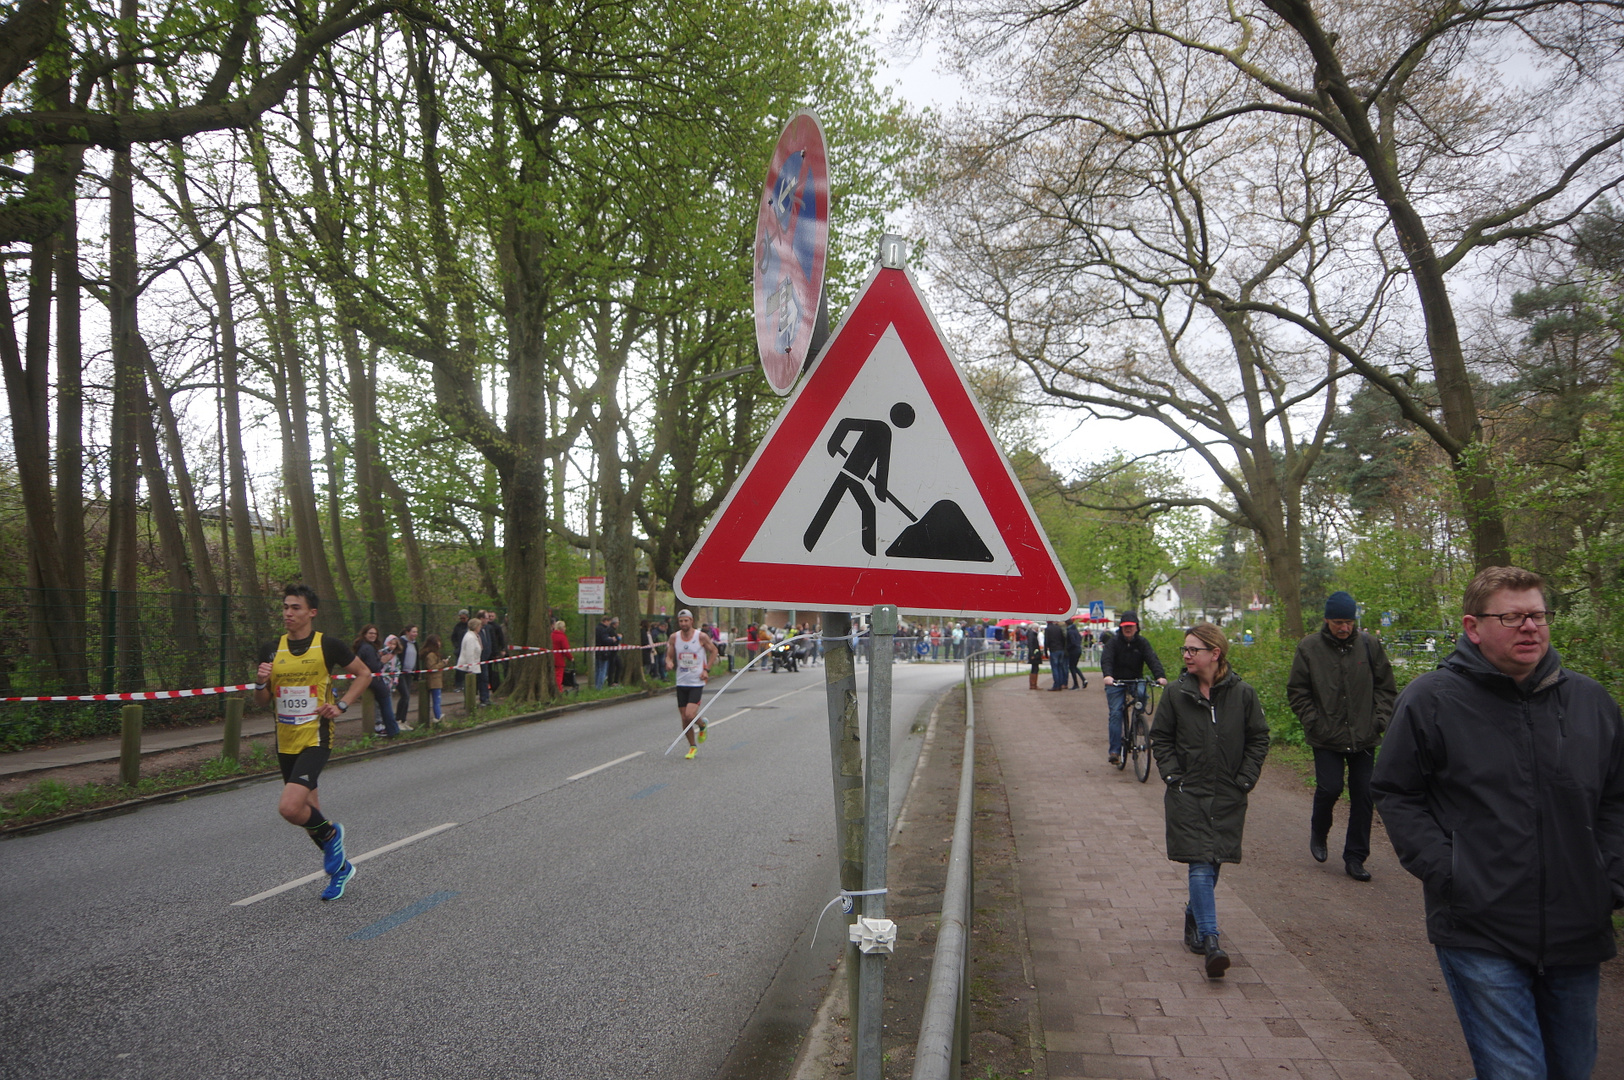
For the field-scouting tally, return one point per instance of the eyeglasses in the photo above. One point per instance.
(1514, 619)
(1191, 650)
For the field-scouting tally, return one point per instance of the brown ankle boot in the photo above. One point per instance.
(1033, 683)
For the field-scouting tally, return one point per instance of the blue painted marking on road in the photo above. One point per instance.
(646, 792)
(389, 922)
(736, 745)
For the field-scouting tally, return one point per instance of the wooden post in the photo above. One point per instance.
(129, 754)
(369, 712)
(232, 747)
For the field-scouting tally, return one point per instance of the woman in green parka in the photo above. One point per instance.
(1209, 738)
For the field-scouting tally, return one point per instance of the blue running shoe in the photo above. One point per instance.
(332, 852)
(340, 879)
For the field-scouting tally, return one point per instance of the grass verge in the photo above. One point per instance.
(49, 798)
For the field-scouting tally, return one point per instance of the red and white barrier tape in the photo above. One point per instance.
(525, 652)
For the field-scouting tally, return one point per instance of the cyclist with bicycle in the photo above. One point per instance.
(1123, 660)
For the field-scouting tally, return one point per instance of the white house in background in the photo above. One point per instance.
(1164, 602)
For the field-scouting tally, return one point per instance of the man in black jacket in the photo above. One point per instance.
(1341, 688)
(1123, 659)
(1501, 783)
(1074, 656)
(457, 634)
(1054, 643)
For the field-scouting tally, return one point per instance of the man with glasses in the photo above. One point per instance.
(1501, 784)
(1341, 688)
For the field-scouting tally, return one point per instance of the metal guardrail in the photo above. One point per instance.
(944, 1035)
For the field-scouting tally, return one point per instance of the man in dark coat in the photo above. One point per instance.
(1074, 657)
(1501, 783)
(1341, 688)
(1123, 660)
(457, 633)
(1054, 643)
(603, 640)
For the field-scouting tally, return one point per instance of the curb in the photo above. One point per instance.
(131, 805)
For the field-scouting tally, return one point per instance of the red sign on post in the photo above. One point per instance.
(792, 242)
(880, 483)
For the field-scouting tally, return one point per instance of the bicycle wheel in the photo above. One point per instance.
(1141, 747)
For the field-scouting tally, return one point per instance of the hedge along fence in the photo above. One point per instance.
(126, 642)
(1266, 663)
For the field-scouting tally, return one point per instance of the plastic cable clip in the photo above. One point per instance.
(873, 935)
(844, 900)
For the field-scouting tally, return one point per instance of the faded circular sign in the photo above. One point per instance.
(792, 242)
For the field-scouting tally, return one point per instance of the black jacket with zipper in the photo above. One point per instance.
(1507, 801)
(1124, 658)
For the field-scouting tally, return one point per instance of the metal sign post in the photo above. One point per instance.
(846, 763)
(877, 934)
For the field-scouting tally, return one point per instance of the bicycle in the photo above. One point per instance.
(1135, 728)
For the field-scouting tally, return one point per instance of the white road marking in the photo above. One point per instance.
(318, 875)
(747, 708)
(605, 765)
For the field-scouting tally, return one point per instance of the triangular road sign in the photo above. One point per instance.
(879, 483)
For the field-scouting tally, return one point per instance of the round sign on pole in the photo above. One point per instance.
(792, 242)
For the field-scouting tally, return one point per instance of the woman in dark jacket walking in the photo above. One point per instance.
(1209, 738)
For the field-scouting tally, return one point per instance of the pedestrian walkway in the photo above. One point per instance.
(1119, 994)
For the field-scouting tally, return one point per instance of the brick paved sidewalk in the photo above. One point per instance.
(1119, 994)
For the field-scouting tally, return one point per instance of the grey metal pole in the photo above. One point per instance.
(877, 831)
(846, 763)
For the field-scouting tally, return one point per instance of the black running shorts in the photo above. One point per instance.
(305, 766)
(688, 695)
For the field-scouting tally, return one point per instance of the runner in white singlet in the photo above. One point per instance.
(690, 654)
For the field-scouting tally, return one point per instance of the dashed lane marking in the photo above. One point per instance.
(318, 875)
(605, 765)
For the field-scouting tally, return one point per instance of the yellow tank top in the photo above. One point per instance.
(300, 685)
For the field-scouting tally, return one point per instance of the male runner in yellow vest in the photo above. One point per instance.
(297, 673)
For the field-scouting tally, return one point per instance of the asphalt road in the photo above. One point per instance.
(623, 923)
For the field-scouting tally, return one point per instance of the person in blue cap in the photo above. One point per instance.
(1341, 687)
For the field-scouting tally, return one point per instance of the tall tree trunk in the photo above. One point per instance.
(363, 392)
(234, 485)
(166, 522)
(129, 377)
(197, 544)
(335, 486)
(295, 415)
(70, 444)
(416, 571)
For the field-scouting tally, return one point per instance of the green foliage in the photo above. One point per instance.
(1112, 527)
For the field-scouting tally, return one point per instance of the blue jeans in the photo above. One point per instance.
(434, 696)
(1519, 1023)
(1203, 876)
(1116, 696)
(601, 674)
(386, 708)
(1059, 669)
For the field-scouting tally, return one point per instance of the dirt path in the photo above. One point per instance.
(1367, 942)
